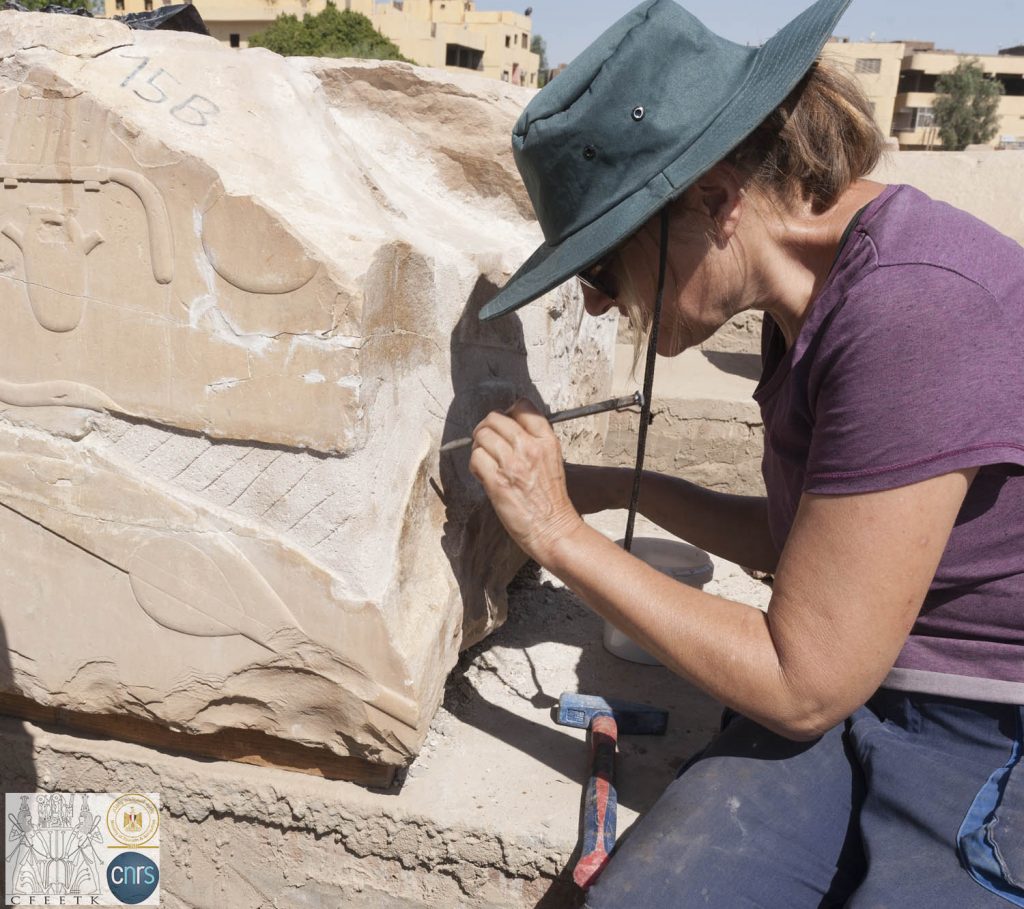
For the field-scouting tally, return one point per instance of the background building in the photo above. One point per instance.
(448, 34)
(899, 78)
(877, 68)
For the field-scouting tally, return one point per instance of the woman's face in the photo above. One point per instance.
(702, 282)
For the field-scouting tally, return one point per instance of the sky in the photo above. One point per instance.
(966, 26)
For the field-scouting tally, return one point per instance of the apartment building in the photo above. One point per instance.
(900, 77)
(914, 124)
(448, 34)
(877, 68)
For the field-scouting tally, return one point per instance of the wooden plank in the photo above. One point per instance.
(245, 746)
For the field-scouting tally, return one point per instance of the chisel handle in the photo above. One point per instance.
(599, 803)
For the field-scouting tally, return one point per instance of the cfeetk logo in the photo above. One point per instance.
(82, 849)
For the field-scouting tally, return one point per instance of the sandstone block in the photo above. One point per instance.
(238, 302)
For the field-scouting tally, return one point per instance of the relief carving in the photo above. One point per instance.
(116, 246)
(224, 380)
(271, 261)
(54, 248)
(188, 578)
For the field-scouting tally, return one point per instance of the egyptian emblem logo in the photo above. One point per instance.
(133, 819)
(58, 853)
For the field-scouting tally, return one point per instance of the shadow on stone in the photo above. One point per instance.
(745, 365)
(489, 372)
(17, 766)
(542, 613)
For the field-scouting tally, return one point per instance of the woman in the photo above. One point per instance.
(869, 756)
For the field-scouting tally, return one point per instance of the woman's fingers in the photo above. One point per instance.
(520, 417)
(518, 461)
(531, 419)
(498, 446)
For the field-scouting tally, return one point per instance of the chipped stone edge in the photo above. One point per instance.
(347, 814)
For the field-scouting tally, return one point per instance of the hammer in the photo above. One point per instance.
(604, 718)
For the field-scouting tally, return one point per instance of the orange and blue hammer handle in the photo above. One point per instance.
(599, 804)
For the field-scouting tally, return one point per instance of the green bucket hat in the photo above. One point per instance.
(644, 111)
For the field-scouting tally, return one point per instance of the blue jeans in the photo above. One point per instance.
(915, 802)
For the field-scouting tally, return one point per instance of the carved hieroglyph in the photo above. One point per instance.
(238, 303)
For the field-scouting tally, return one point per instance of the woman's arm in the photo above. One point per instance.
(849, 585)
(731, 526)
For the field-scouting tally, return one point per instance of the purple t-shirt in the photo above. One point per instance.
(910, 365)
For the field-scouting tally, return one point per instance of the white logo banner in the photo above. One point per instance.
(82, 849)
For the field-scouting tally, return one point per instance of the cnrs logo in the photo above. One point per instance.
(132, 877)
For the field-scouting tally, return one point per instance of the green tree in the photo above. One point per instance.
(539, 46)
(330, 33)
(967, 106)
(69, 4)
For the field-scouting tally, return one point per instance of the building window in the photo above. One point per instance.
(533, 78)
(913, 118)
(235, 39)
(149, 6)
(466, 57)
(508, 40)
(526, 41)
(903, 121)
(504, 75)
(868, 65)
(913, 80)
(120, 4)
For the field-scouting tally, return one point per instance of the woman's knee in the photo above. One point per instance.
(754, 821)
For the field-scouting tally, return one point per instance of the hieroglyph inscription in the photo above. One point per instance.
(55, 248)
(155, 86)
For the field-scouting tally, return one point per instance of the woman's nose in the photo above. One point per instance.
(595, 302)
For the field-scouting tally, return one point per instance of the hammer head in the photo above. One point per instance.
(579, 710)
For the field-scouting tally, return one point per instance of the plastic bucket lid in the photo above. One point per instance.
(677, 559)
(680, 561)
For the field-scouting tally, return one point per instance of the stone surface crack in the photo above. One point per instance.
(484, 663)
(102, 53)
(149, 315)
(377, 336)
(136, 420)
(433, 397)
(61, 536)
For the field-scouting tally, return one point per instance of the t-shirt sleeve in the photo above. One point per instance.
(920, 372)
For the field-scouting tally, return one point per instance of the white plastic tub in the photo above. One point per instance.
(680, 561)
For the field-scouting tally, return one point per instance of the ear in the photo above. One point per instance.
(720, 196)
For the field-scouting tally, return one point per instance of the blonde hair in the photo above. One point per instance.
(810, 150)
(815, 145)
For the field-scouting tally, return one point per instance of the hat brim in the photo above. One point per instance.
(777, 68)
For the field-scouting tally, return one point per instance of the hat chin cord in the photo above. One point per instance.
(645, 408)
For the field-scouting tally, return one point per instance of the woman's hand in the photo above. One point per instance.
(518, 460)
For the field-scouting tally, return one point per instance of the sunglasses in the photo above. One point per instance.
(598, 277)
